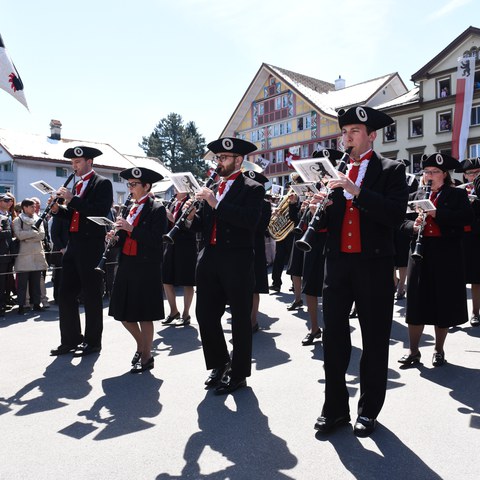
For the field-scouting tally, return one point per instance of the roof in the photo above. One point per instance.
(22, 145)
(448, 49)
(412, 96)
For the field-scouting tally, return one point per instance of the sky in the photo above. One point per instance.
(110, 70)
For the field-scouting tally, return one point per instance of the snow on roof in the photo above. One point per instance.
(40, 147)
(409, 97)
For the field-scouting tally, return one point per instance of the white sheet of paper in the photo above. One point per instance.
(43, 187)
(103, 221)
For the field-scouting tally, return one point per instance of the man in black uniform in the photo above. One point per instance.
(368, 203)
(92, 196)
(225, 273)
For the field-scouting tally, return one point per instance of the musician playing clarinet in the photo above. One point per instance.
(225, 268)
(367, 203)
(436, 293)
(137, 295)
(92, 196)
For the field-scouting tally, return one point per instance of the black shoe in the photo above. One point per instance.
(255, 328)
(38, 308)
(309, 339)
(140, 367)
(85, 349)
(275, 288)
(295, 305)
(216, 375)
(136, 358)
(438, 359)
(21, 310)
(409, 359)
(229, 385)
(171, 318)
(182, 322)
(364, 426)
(62, 350)
(475, 321)
(327, 424)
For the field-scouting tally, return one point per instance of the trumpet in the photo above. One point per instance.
(42, 217)
(418, 251)
(170, 236)
(111, 242)
(305, 243)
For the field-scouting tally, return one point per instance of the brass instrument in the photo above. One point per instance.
(280, 224)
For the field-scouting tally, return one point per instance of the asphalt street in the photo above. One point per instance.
(70, 418)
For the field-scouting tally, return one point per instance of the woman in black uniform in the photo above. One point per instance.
(436, 282)
(137, 295)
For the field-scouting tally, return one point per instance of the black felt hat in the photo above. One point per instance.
(143, 174)
(440, 160)
(82, 152)
(329, 153)
(405, 162)
(257, 176)
(368, 116)
(233, 145)
(468, 164)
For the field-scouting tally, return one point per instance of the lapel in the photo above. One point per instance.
(235, 188)
(374, 169)
(146, 209)
(90, 185)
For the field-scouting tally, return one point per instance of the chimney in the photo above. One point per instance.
(55, 129)
(339, 83)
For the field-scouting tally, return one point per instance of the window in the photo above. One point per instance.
(416, 127)
(120, 198)
(475, 118)
(117, 178)
(304, 123)
(261, 108)
(305, 153)
(390, 133)
(278, 103)
(288, 127)
(6, 167)
(300, 123)
(476, 80)
(443, 87)
(280, 156)
(444, 121)
(416, 162)
(61, 172)
(254, 136)
(474, 150)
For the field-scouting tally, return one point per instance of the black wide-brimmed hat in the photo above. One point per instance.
(442, 161)
(329, 153)
(82, 152)
(233, 145)
(368, 116)
(143, 174)
(405, 162)
(468, 164)
(257, 176)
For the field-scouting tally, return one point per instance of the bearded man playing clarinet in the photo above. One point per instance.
(368, 202)
(92, 196)
(225, 266)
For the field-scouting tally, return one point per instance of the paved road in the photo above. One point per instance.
(64, 418)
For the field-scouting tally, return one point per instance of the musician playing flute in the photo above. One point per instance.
(436, 293)
(92, 195)
(225, 269)
(137, 294)
(368, 202)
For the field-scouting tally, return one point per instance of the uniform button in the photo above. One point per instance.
(349, 234)
(349, 247)
(351, 209)
(350, 222)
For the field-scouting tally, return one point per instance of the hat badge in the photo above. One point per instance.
(227, 144)
(361, 114)
(326, 153)
(439, 159)
(78, 152)
(136, 172)
(251, 174)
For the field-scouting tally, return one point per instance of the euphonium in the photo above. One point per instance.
(280, 224)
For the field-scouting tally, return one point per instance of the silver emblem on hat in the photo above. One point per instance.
(251, 174)
(326, 153)
(227, 144)
(361, 114)
(78, 152)
(439, 159)
(136, 172)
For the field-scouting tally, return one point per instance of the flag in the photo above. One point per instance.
(463, 106)
(293, 154)
(10, 80)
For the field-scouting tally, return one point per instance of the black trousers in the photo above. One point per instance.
(79, 276)
(282, 254)
(225, 277)
(369, 283)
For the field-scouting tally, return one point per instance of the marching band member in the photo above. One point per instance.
(92, 196)
(471, 237)
(367, 204)
(137, 294)
(436, 293)
(225, 272)
(178, 268)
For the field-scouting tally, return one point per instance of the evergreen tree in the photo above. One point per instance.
(180, 147)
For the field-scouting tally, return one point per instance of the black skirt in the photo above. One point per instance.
(295, 262)
(137, 294)
(179, 262)
(471, 250)
(314, 266)
(402, 248)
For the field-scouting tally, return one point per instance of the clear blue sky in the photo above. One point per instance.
(110, 70)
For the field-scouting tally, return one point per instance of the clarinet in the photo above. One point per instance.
(123, 213)
(305, 243)
(170, 236)
(418, 251)
(42, 217)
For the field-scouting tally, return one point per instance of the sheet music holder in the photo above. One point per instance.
(184, 182)
(43, 187)
(424, 205)
(316, 170)
(102, 221)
